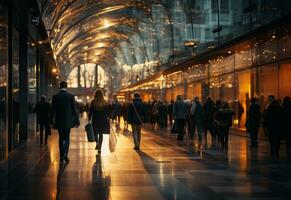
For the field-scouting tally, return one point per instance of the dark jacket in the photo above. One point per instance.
(197, 117)
(223, 117)
(254, 117)
(132, 115)
(43, 112)
(100, 119)
(64, 111)
(180, 110)
(274, 119)
(209, 108)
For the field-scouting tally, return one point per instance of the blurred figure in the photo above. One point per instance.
(223, 121)
(99, 115)
(43, 112)
(287, 121)
(209, 109)
(162, 115)
(155, 114)
(124, 109)
(179, 114)
(273, 123)
(170, 112)
(253, 121)
(136, 117)
(196, 118)
(117, 111)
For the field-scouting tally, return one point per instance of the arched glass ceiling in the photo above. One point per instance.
(140, 34)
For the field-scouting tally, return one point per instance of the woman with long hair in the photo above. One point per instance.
(99, 116)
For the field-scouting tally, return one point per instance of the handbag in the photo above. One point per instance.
(112, 140)
(90, 132)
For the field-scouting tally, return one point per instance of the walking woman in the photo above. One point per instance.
(99, 115)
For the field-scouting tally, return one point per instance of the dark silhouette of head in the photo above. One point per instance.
(63, 85)
(136, 95)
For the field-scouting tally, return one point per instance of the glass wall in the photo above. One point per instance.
(32, 96)
(3, 77)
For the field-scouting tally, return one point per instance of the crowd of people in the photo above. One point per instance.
(185, 117)
(197, 119)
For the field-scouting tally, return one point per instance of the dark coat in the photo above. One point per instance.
(223, 117)
(43, 112)
(100, 119)
(64, 111)
(140, 108)
(274, 119)
(197, 117)
(254, 117)
(208, 108)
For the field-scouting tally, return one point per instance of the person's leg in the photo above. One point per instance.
(226, 134)
(138, 135)
(221, 136)
(61, 143)
(272, 144)
(134, 134)
(100, 135)
(66, 142)
(47, 130)
(41, 127)
(96, 137)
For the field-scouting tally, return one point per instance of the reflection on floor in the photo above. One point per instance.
(162, 169)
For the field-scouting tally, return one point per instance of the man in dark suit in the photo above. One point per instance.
(65, 117)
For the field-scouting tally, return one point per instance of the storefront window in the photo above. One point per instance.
(31, 70)
(284, 79)
(268, 82)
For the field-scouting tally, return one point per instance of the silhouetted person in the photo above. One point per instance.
(287, 121)
(43, 112)
(136, 117)
(273, 123)
(170, 112)
(254, 121)
(65, 117)
(209, 109)
(162, 115)
(99, 114)
(196, 118)
(180, 114)
(223, 120)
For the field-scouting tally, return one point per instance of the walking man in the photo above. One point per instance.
(136, 117)
(65, 117)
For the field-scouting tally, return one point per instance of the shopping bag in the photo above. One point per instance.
(112, 140)
(174, 128)
(90, 132)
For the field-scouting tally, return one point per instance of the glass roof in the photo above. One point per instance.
(116, 34)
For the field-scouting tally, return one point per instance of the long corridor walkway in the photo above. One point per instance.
(162, 169)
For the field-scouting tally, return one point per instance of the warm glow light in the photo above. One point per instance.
(54, 70)
(106, 23)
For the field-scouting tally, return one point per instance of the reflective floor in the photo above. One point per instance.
(162, 169)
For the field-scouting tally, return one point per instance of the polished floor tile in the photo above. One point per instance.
(162, 169)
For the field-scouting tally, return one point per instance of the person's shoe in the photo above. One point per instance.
(135, 148)
(96, 146)
(66, 159)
